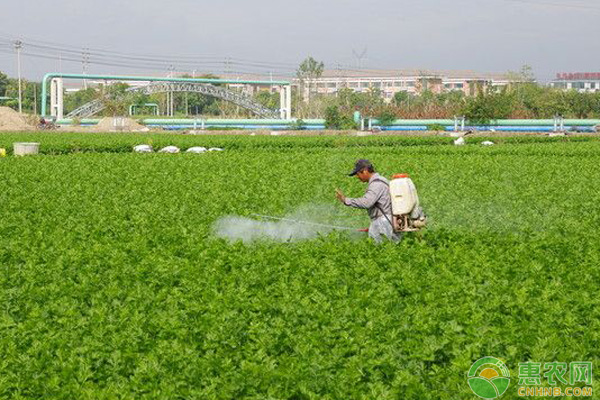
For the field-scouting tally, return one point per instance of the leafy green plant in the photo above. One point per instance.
(436, 127)
(113, 285)
(334, 119)
(386, 116)
(298, 125)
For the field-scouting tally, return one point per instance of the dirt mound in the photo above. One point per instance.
(119, 124)
(10, 120)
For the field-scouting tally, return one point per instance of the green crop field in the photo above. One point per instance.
(113, 284)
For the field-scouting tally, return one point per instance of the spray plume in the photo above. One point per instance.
(306, 223)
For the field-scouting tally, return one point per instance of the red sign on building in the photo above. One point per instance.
(578, 76)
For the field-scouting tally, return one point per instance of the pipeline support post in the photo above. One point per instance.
(282, 102)
(289, 101)
(285, 102)
(562, 124)
(56, 98)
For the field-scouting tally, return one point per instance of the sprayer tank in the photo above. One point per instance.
(404, 194)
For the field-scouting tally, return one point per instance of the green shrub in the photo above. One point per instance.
(334, 119)
(436, 127)
(386, 116)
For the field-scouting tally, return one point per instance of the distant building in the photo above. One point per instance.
(580, 81)
(387, 82)
(390, 82)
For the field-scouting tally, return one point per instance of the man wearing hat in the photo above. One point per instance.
(377, 201)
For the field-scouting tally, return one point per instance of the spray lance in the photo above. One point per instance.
(407, 214)
(295, 221)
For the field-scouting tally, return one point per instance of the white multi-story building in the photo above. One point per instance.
(580, 81)
(390, 82)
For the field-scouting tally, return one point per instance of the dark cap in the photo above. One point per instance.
(360, 165)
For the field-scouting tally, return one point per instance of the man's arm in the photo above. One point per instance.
(373, 194)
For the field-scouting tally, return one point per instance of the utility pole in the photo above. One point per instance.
(18, 47)
(85, 60)
(227, 69)
(359, 56)
(171, 100)
(338, 73)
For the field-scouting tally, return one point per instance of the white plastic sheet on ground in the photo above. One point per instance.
(196, 150)
(142, 148)
(169, 149)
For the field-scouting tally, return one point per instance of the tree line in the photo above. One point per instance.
(523, 98)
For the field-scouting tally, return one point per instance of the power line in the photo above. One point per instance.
(179, 59)
(88, 60)
(87, 57)
(231, 66)
(135, 66)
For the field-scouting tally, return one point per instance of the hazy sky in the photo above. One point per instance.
(483, 35)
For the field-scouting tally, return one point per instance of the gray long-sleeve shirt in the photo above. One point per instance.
(376, 198)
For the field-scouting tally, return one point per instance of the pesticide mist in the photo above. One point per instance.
(313, 217)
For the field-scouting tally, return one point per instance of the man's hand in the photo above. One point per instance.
(340, 196)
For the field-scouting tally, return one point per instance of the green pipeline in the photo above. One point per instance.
(499, 122)
(229, 121)
(48, 77)
(310, 122)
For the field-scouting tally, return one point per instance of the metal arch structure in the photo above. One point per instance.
(56, 90)
(237, 98)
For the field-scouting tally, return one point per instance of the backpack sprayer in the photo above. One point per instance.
(407, 214)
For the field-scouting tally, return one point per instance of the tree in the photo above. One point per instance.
(79, 98)
(308, 71)
(386, 116)
(115, 100)
(524, 75)
(268, 99)
(401, 98)
(4, 81)
(581, 104)
(28, 94)
(198, 103)
(365, 102)
(488, 105)
(334, 119)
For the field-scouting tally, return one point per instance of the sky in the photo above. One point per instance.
(274, 36)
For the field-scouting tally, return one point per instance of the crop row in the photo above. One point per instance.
(113, 285)
(62, 143)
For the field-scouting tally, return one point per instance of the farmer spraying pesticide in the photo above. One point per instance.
(393, 207)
